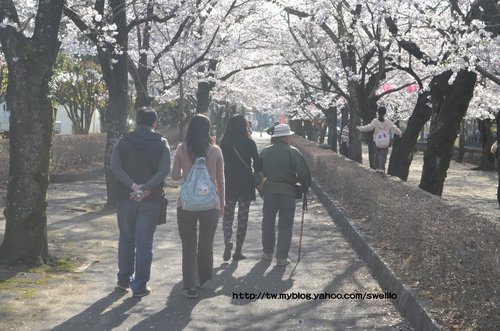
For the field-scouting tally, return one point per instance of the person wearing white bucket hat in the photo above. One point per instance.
(282, 130)
(282, 166)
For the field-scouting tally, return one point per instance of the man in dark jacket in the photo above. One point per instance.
(283, 166)
(140, 161)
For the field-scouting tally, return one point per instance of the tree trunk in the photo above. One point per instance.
(368, 109)
(497, 119)
(142, 99)
(461, 143)
(30, 62)
(204, 88)
(322, 132)
(115, 73)
(449, 105)
(332, 128)
(355, 152)
(203, 97)
(116, 119)
(362, 107)
(402, 150)
(487, 159)
(309, 130)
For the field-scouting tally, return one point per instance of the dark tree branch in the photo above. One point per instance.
(80, 24)
(174, 40)
(200, 58)
(257, 66)
(8, 10)
(152, 18)
(408, 46)
(488, 75)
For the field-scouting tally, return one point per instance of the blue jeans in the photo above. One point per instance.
(137, 223)
(285, 205)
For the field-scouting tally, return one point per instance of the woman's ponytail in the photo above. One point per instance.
(381, 111)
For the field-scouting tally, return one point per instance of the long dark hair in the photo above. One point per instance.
(198, 137)
(236, 130)
(381, 111)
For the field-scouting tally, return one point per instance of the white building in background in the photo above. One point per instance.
(63, 123)
(67, 126)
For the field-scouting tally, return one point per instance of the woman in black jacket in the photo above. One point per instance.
(239, 150)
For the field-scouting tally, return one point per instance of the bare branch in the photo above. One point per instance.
(488, 75)
(192, 64)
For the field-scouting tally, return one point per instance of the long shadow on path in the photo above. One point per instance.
(178, 313)
(95, 317)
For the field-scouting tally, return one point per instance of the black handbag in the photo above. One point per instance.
(162, 217)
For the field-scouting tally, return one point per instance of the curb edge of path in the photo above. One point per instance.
(407, 303)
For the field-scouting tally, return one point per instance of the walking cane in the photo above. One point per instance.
(304, 208)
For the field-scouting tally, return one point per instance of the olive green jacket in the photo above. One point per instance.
(283, 166)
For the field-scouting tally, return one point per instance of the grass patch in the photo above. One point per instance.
(27, 294)
(55, 265)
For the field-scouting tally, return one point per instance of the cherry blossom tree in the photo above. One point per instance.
(29, 37)
(105, 24)
(465, 48)
(347, 44)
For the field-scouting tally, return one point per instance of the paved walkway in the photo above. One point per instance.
(86, 299)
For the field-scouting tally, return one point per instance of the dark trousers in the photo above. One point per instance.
(284, 206)
(197, 246)
(228, 220)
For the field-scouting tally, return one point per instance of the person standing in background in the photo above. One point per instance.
(382, 126)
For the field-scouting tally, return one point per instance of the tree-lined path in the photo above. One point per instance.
(318, 65)
(86, 300)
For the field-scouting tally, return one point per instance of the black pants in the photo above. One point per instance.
(197, 246)
(228, 220)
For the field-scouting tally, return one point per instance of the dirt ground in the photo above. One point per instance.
(472, 189)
